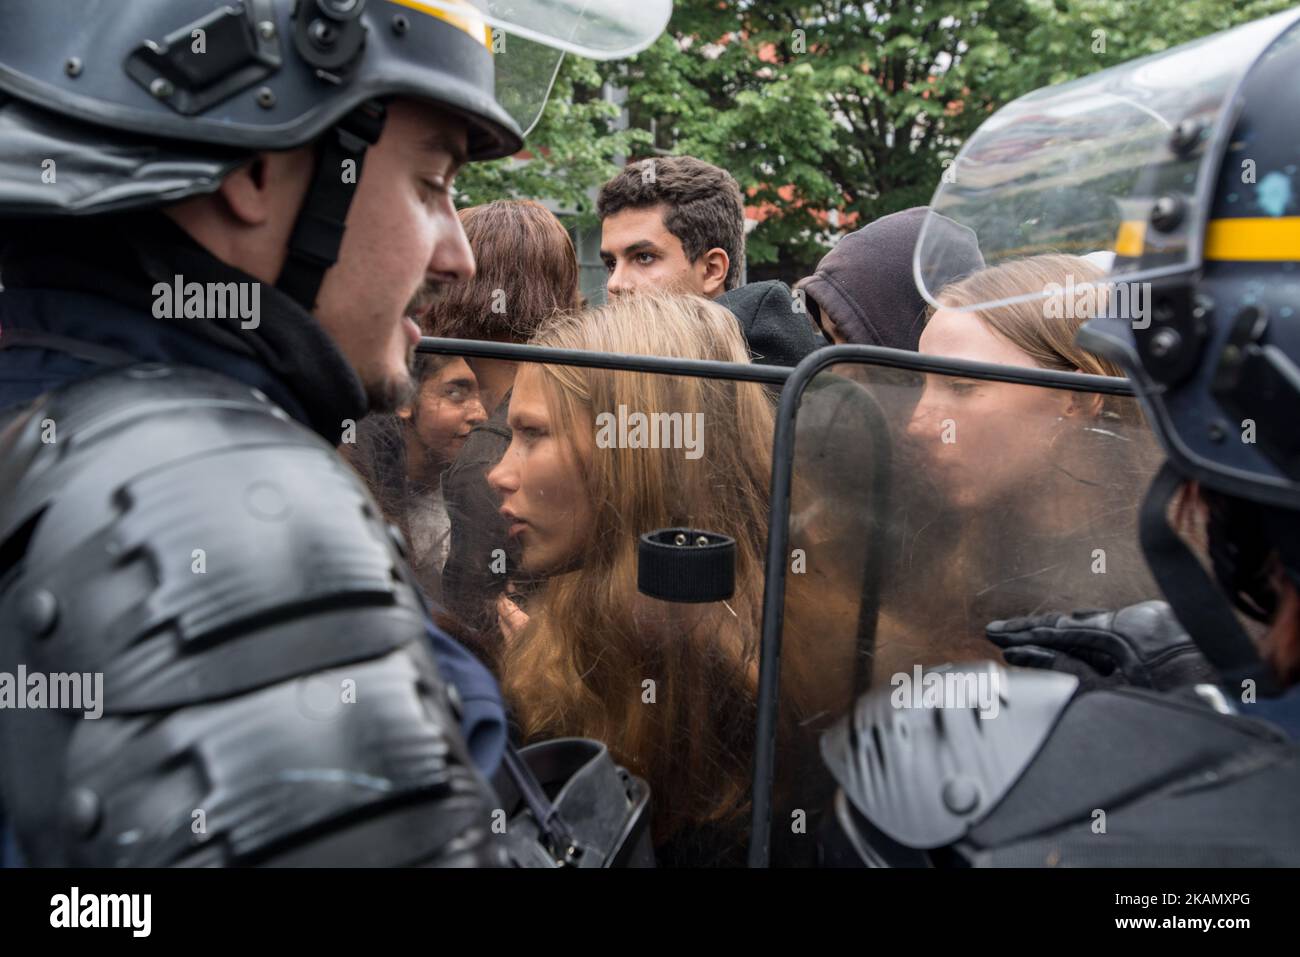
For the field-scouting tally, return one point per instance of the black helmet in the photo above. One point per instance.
(139, 104)
(1181, 170)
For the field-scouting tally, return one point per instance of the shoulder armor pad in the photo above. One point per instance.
(157, 509)
(219, 568)
(925, 761)
(1179, 783)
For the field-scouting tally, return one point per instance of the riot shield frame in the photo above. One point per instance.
(795, 382)
(698, 368)
(778, 537)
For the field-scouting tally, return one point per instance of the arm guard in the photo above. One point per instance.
(1115, 778)
(267, 694)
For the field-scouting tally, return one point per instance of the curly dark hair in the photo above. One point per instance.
(704, 207)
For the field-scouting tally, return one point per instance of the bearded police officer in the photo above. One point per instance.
(216, 219)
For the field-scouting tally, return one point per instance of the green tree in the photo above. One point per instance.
(574, 147)
(820, 106)
(835, 105)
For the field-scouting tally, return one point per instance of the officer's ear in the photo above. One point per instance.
(269, 188)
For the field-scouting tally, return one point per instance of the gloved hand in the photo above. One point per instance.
(1142, 645)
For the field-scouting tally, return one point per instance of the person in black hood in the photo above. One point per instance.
(863, 292)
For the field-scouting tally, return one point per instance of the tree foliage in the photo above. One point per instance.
(574, 147)
(847, 106)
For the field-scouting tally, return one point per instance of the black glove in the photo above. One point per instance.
(1142, 645)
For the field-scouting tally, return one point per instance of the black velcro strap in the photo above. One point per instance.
(686, 565)
(318, 231)
(1196, 600)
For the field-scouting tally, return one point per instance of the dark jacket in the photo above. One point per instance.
(777, 335)
(91, 283)
(470, 585)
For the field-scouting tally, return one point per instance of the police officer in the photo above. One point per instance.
(215, 220)
(1113, 754)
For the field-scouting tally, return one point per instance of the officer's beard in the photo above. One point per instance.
(389, 395)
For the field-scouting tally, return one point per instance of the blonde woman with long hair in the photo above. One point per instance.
(670, 688)
(1016, 488)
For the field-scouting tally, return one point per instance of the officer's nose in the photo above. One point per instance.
(452, 259)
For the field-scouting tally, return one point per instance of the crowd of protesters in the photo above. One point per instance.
(704, 571)
(522, 530)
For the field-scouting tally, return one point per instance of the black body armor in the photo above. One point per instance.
(1122, 778)
(268, 696)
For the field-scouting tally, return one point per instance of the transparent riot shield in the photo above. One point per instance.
(925, 498)
(591, 632)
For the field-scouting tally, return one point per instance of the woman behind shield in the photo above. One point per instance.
(669, 687)
(1024, 496)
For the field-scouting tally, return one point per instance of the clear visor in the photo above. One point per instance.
(1079, 168)
(529, 38)
(923, 506)
(525, 73)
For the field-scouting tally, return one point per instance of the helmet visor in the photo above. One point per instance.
(1121, 164)
(529, 38)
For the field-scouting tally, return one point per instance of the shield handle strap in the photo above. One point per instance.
(686, 565)
(554, 830)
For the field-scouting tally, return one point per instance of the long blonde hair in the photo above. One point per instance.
(1050, 342)
(593, 641)
(1090, 481)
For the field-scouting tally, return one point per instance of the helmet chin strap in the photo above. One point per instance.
(318, 231)
(1194, 595)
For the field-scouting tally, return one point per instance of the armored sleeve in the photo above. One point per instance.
(255, 684)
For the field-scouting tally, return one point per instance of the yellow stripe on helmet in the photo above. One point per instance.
(1250, 239)
(1240, 239)
(1131, 239)
(469, 22)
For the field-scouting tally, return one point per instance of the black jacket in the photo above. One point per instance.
(470, 585)
(775, 333)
